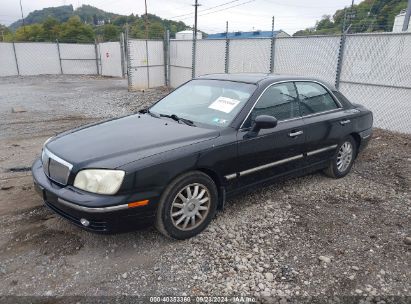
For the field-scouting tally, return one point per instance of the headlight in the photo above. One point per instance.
(99, 180)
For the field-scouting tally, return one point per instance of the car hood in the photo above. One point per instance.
(120, 141)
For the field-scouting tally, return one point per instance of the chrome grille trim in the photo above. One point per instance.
(57, 159)
(46, 156)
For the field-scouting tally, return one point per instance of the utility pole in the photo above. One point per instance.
(193, 72)
(350, 16)
(344, 21)
(146, 19)
(196, 5)
(407, 17)
(22, 17)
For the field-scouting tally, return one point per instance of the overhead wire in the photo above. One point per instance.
(207, 9)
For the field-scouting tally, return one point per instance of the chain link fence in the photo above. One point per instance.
(370, 69)
(37, 58)
(146, 67)
(309, 56)
(211, 56)
(181, 61)
(376, 72)
(249, 55)
(78, 58)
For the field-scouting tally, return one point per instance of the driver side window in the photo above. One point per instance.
(279, 100)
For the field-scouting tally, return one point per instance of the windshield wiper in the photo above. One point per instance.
(179, 119)
(147, 111)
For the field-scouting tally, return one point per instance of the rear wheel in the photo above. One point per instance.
(187, 205)
(343, 160)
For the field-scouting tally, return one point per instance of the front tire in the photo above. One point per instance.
(343, 159)
(187, 205)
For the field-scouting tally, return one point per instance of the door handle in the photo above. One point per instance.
(294, 134)
(344, 122)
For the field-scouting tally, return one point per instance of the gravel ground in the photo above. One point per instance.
(305, 239)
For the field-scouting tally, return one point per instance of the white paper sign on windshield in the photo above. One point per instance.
(224, 104)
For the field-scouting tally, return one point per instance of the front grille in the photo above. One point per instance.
(55, 168)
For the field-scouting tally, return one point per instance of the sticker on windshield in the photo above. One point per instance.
(224, 104)
(220, 121)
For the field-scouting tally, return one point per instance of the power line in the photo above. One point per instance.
(227, 8)
(222, 9)
(207, 9)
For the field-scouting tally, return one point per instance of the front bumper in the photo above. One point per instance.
(104, 213)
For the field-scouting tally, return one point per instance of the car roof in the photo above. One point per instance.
(255, 78)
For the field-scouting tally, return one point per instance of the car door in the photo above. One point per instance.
(324, 118)
(271, 152)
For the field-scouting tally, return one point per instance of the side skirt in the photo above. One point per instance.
(280, 177)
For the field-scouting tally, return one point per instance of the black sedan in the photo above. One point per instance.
(175, 163)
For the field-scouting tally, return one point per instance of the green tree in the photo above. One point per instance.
(367, 16)
(111, 32)
(156, 30)
(325, 22)
(75, 31)
(4, 32)
(33, 32)
(51, 29)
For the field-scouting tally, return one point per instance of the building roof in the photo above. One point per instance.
(254, 34)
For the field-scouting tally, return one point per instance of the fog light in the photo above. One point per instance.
(84, 222)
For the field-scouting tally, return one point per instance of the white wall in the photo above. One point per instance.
(187, 35)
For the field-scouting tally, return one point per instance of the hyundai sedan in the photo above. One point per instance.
(175, 163)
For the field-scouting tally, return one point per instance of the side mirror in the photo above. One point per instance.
(262, 122)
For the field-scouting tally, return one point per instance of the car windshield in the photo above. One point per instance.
(210, 102)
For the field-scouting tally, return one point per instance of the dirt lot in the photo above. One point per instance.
(311, 236)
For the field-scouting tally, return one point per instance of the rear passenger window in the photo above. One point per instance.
(314, 98)
(279, 100)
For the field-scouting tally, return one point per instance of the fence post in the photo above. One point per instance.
(123, 70)
(272, 55)
(96, 51)
(227, 49)
(15, 57)
(340, 60)
(147, 65)
(58, 51)
(167, 58)
(193, 59)
(129, 80)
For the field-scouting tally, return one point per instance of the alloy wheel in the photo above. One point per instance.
(344, 156)
(190, 206)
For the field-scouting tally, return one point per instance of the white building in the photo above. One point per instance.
(399, 21)
(188, 35)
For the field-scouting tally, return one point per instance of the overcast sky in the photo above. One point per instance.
(290, 15)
